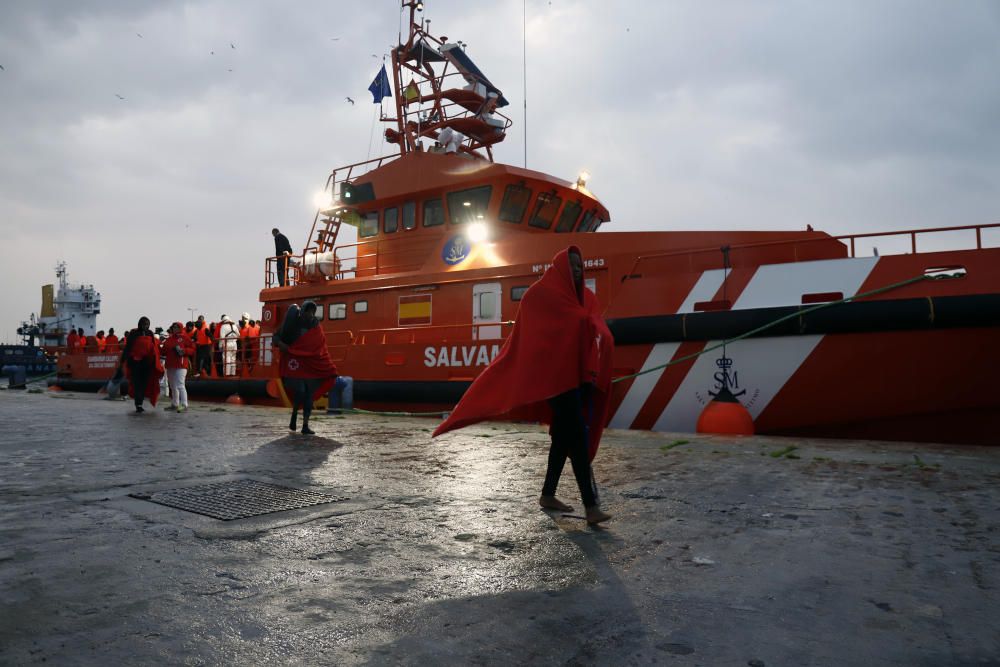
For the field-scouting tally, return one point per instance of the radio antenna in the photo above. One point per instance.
(524, 73)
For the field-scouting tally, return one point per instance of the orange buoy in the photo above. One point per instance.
(725, 415)
(234, 400)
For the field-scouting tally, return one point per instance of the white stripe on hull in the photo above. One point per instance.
(706, 287)
(643, 385)
(763, 365)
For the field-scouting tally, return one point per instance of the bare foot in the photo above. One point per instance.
(596, 516)
(550, 503)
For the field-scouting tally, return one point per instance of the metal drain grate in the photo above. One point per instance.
(238, 499)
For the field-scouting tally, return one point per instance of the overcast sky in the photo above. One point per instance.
(849, 116)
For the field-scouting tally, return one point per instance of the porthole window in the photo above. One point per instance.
(410, 215)
(516, 293)
(369, 224)
(338, 311)
(360, 306)
(390, 220)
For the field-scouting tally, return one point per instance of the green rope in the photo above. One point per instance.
(776, 322)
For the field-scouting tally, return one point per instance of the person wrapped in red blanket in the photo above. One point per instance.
(554, 368)
(143, 367)
(306, 369)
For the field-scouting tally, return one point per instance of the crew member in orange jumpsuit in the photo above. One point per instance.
(101, 341)
(72, 341)
(111, 342)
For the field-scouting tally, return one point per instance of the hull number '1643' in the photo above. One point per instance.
(460, 355)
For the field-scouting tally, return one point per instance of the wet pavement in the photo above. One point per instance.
(722, 551)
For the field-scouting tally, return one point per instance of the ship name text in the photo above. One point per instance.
(460, 355)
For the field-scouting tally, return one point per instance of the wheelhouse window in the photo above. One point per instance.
(568, 217)
(390, 220)
(469, 205)
(515, 202)
(338, 311)
(319, 311)
(585, 222)
(410, 215)
(516, 293)
(590, 222)
(361, 306)
(369, 225)
(433, 213)
(545, 210)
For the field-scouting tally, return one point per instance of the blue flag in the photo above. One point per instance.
(380, 86)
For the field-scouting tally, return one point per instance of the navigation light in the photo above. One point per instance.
(478, 232)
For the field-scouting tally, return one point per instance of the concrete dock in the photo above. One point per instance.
(722, 551)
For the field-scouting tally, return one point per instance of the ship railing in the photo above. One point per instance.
(849, 241)
(382, 256)
(293, 270)
(435, 333)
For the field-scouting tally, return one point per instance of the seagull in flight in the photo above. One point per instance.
(119, 96)
(335, 39)
(231, 45)
(349, 100)
(2, 69)
(139, 35)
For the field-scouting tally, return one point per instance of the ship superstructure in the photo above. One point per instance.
(74, 306)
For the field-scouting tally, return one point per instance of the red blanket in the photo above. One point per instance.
(146, 347)
(559, 342)
(307, 358)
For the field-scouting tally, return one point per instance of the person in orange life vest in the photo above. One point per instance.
(111, 342)
(101, 341)
(306, 370)
(176, 350)
(90, 344)
(253, 343)
(72, 341)
(555, 367)
(143, 368)
(81, 340)
(203, 347)
(244, 341)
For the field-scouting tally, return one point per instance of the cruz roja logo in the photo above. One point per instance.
(729, 378)
(293, 364)
(455, 250)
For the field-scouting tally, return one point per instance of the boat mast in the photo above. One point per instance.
(463, 102)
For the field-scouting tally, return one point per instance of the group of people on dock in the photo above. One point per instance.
(221, 349)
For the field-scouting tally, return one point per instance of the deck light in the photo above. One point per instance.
(478, 232)
(322, 199)
(467, 203)
(420, 5)
(581, 180)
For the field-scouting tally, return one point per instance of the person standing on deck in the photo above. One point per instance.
(203, 347)
(141, 358)
(555, 367)
(306, 370)
(111, 342)
(282, 249)
(229, 337)
(72, 341)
